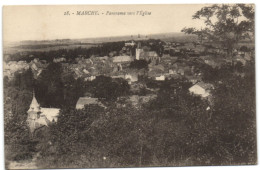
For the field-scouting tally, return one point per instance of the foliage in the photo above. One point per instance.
(131, 136)
(17, 98)
(235, 119)
(49, 86)
(225, 24)
(139, 64)
(244, 48)
(107, 88)
(72, 89)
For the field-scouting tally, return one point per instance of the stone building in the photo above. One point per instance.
(39, 117)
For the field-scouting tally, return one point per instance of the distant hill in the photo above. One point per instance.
(163, 36)
(46, 45)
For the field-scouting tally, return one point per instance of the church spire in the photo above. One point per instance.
(34, 104)
(33, 94)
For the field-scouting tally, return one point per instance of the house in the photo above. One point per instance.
(156, 68)
(91, 78)
(213, 61)
(87, 101)
(37, 66)
(85, 71)
(120, 75)
(130, 43)
(150, 56)
(137, 100)
(248, 56)
(103, 58)
(201, 89)
(238, 58)
(58, 60)
(180, 68)
(193, 78)
(121, 59)
(181, 71)
(12, 66)
(156, 71)
(131, 78)
(160, 78)
(171, 72)
(39, 117)
(51, 113)
(117, 67)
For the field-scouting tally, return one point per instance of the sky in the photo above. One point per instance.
(49, 22)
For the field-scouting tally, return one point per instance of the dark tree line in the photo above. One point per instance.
(17, 98)
(101, 50)
(98, 50)
(139, 64)
(106, 88)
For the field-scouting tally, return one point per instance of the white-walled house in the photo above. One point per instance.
(202, 89)
(121, 59)
(160, 78)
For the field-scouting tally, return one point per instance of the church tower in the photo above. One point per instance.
(138, 51)
(38, 117)
(33, 113)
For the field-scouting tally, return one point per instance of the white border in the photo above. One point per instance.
(73, 2)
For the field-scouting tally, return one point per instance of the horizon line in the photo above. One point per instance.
(98, 37)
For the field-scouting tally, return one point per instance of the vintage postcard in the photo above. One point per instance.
(114, 86)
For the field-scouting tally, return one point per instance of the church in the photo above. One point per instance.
(39, 117)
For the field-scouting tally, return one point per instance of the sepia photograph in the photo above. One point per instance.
(129, 86)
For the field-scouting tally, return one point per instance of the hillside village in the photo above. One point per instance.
(174, 60)
(159, 95)
(135, 63)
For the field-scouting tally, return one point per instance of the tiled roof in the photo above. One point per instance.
(86, 101)
(206, 86)
(50, 113)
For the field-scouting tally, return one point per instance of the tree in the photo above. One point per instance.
(139, 64)
(107, 88)
(23, 80)
(225, 24)
(69, 140)
(49, 86)
(180, 126)
(72, 89)
(234, 119)
(17, 98)
(244, 49)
